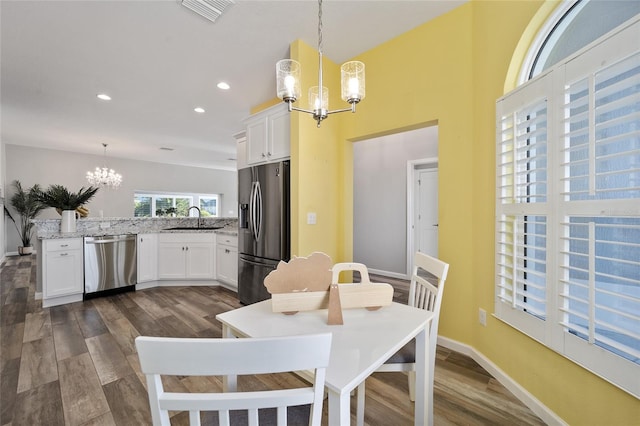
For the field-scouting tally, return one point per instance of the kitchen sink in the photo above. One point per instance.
(191, 228)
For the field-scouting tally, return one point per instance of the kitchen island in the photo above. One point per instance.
(168, 252)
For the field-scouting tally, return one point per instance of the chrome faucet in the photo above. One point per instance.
(199, 213)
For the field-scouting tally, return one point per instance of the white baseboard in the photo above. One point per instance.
(541, 410)
(389, 274)
(176, 283)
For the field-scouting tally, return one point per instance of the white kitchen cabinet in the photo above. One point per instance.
(186, 256)
(62, 271)
(227, 260)
(268, 135)
(147, 257)
(241, 146)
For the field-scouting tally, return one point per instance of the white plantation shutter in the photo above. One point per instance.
(599, 201)
(521, 228)
(568, 208)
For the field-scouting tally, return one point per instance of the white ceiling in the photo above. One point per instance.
(158, 60)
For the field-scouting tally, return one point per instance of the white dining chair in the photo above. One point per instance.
(244, 356)
(423, 294)
(349, 266)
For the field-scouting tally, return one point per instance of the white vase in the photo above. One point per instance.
(68, 223)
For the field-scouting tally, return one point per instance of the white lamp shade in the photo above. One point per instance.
(315, 103)
(352, 79)
(288, 79)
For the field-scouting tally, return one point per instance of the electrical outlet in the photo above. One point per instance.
(482, 317)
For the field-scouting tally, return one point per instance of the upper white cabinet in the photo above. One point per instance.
(268, 135)
(147, 257)
(241, 144)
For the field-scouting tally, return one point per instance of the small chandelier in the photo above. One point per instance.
(104, 176)
(288, 83)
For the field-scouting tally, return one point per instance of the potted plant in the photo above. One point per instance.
(66, 202)
(28, 205)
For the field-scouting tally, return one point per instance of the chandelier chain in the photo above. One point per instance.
(320, 26)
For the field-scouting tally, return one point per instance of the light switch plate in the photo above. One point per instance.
(311, 218)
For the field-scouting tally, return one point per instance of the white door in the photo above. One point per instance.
(426, 211)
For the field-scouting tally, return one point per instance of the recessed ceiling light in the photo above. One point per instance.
(224, 86)
(104, 97)
(199, 110)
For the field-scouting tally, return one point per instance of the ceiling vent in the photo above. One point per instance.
(210, 9)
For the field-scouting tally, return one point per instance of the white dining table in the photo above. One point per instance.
(362, 344)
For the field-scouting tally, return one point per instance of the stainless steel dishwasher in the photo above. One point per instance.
(110, 264)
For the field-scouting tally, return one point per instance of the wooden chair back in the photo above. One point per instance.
(423, 293)
(220, 357)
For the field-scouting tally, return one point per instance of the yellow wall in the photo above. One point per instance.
(316, 174)
(451, 71)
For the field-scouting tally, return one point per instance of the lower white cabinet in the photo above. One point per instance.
(147, 257)
(227, 260)
(62, 271)
(186, 255)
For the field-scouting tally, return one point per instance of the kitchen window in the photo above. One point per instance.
(568, 208)
(174, 205)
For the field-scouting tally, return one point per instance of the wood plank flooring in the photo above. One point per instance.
(77, 365)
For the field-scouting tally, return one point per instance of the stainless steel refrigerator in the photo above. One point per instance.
(264, 227)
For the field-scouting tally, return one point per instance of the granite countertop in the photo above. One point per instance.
(115, 231)
(50, 229)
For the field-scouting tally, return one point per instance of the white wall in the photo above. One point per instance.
(46, 167)
(3, 194)
(380, 196)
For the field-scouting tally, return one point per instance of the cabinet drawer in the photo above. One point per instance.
(65, 244)
(228, 240)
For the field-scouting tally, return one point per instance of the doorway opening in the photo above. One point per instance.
(382, 219)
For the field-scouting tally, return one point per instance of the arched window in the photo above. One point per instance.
(572, 26)
(568, 190)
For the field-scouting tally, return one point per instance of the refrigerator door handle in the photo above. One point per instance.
(252, 210)
(255, 210)
(251, 262)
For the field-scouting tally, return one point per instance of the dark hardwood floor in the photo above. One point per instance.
(77, 365)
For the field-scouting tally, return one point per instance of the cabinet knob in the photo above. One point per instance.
(227, 251)
(64, 245)
(268, 154)
(64, 254)
(263, 155)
